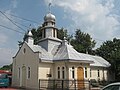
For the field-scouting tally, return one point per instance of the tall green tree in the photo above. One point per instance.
(83, 42)
(61, 33)
(110, 50)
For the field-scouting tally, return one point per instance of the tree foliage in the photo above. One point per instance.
(61, 33)
(6, 67)
(110, 50)
(83, 42)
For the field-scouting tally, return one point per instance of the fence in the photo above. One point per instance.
(64, 84)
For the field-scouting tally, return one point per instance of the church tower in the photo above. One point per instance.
(29, 38)
(49, 29)
(49, 32)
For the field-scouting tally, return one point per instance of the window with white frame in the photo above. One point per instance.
(73, 72)
(58, 69)
(28, 72)
(19, 73)
(63, 72)
(98, 73)
(90, 73)
(85, 72)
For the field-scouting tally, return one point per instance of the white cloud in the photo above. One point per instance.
(3, 38)
(6, 56)
(92, 16)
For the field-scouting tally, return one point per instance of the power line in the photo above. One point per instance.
(11, 29)
(12, 21)
(21, 24)
(22, 18)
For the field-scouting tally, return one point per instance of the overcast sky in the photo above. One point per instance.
(99, 18)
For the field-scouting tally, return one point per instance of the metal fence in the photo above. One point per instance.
(64, 84)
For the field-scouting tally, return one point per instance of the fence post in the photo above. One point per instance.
(89, 84)
(39, 84)
(62, 85)
(75, 84)
(54, 85)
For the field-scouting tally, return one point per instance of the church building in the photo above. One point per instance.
(54, 59)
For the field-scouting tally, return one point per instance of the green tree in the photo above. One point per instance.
(61, 33)
(110, 50)
(6, 67)
(83, 42)
(37, 34)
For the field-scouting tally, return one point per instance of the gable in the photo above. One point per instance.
(22, 50)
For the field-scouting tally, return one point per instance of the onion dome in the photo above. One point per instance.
(49, 17)
(30, 34)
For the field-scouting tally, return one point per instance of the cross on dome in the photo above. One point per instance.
(49, 16)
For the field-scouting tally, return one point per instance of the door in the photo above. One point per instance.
(23, 76)
(80, 78)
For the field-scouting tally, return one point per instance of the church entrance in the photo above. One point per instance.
(80, 78)
(23, 76)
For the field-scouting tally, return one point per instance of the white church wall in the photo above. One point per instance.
(68, 70)
(26, 58)
(98, 70)
(45, 69)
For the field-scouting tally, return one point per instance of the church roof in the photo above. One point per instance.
(68, 53)
(44, 54)
(99, 61)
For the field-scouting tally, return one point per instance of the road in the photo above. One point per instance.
(9, 89)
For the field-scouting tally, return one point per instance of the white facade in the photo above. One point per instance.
(53, 59)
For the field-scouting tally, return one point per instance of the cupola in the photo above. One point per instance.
(48, 27)
(29, 38)
(49, 17)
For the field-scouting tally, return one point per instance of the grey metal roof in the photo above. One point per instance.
(44, 54)
(99, 61)
(67, 52)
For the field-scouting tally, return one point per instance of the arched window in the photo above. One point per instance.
(28, 72)
(73, 72)
(63, 72)
(24, 50)
(44, 33)
(53, 32)
(85, 72)
(98, 73)
(19, 73)
(90, 73)
(58, 72)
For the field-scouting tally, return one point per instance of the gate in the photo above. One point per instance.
(54, 84)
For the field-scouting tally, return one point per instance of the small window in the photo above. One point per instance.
(98, 73)
(63, 72)
(44, 33)
(85, 72)
(58, 72)
(24, 50)
(53, 32)
(18, 72)
(73, 72)
(28, 72)
(90, 73)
